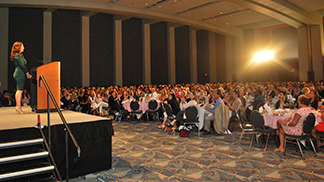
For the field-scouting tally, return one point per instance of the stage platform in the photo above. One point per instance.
(93, 133)
(9, 119)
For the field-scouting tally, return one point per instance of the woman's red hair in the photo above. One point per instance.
(15, 49)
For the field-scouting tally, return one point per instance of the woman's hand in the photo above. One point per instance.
(28, 75)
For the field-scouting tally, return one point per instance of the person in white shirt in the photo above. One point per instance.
(154, 95)
(193, 102)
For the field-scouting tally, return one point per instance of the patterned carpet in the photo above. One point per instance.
(142, 152)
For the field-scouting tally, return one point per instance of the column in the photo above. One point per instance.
(310, 53)
(239, 67)
(146, 53)
(171, 54)
(85, 46)
(316, 52)
(193, 55)
(212, 58)
(4, 36)
(230, 67)
(118, 32)
(47, 36)
(85, 50)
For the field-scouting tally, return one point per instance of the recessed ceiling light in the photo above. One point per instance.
(226, 23)
(220, 12)
(146, 4)
(175, 1)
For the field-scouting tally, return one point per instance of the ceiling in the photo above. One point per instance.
(223, 16)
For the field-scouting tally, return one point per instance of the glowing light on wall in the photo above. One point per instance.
(263, 56)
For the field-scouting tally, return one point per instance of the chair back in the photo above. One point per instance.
(168, 110)
(152, 105)
(309, 123)
(191, 114)
(257, 119)
(134, 105)
(257, 104)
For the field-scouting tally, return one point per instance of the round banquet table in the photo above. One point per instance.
(271, 120)
(143, 106)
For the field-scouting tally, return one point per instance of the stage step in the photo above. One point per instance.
(25, 160)
(30, 172)
(24, 157)
(21, 143)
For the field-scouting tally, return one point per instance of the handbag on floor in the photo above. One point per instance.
(184, 133)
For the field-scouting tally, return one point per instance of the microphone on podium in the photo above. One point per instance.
(41, 61)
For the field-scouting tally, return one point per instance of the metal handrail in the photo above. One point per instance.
(49, 92)
(50, 154)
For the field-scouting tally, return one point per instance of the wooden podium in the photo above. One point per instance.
(51, 73)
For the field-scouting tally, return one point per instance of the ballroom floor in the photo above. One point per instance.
(142, 152)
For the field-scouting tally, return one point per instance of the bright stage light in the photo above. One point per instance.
(263, 56)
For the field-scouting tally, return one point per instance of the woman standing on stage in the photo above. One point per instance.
(20, 73)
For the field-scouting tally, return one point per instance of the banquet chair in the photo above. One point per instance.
(247, 128)
(134, 105)
(192, 117)
(257, 104)
(259, 128)
(308, 126)
(170, 117)
(153, 106)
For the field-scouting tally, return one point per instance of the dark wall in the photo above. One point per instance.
(203, 56)
(101, 50)
(182, 54)
(220, 58)
(159, 54)
(26, 26)
(66, 45)
(132, 52)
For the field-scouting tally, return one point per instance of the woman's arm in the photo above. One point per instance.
(294, 120)
(232, 108)
(21, 63)
(188, 104)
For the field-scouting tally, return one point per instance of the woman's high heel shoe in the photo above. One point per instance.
(20, 111)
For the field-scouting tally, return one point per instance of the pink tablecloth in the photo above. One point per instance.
(271, 121)
(142, 106)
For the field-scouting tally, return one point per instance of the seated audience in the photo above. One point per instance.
(179, 120)
(282, 102)
(294, 124)
(209, 113)
(25, 98)
(235, 105)
(83, 101)
(319, 127)
(65, 99)
(95, 104)
(313, 95)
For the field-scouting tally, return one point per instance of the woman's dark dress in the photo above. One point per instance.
(20, 71)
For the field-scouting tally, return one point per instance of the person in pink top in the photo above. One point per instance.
(294, 124)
